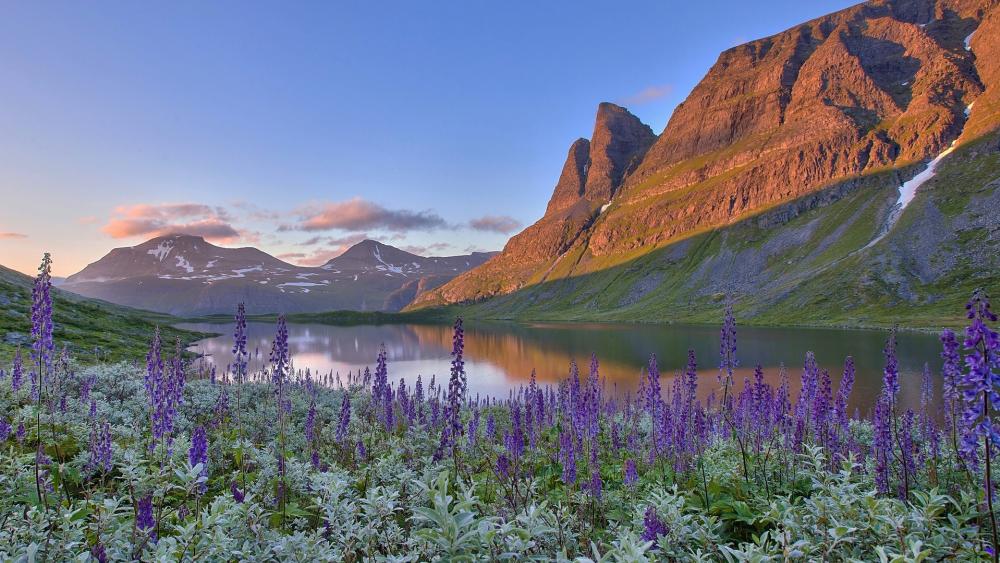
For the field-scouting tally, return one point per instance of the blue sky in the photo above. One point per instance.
(409, 122)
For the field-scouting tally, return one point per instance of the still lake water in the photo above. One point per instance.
(500, 355)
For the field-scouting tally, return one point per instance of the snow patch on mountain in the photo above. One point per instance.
(184, 264)
(162, 250)
(385, 265)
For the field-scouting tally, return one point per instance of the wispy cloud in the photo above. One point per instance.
(433, 249)
(496, 224)
(357, 213)
(11, 236)
(160, 219)
(648, 94)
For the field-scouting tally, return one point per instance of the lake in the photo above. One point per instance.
(500, 355)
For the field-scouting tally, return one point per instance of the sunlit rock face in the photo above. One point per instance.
(863, 97)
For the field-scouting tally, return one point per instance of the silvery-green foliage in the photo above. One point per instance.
(449, 526)
(401, 505)
(627, 548)
(689, 529)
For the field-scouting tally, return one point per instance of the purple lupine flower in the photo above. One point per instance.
(100, 448)
(456, 392)
(457, 353)
(93, 408)
(491, 427)
(882, 443)
(890, 378)
(653, 527)
(810, 385)
(906, 448)
(362, 452)
(41, 323)
(821, 407)
(19, 435)
(567, 456)
(279, 354)
(345, 418)
(388, 411)
(144, 515)
(99, 553)
(157, 390)
(405, 405)
(844, 392)
(17, 371)
(631, 474)
(86, 387)
(979, 383)
(314, 460)
(503, 466)
(238, 495)
(381, 380)
(5, 430)
(240, 355)
(221, 409)
(596, 485)
(198, 453)
(418, 400)
(727, 349)
(951, 372)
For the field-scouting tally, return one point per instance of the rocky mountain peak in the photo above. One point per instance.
(594, 168)
(617, 146)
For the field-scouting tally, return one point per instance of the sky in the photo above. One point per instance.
(439, 127)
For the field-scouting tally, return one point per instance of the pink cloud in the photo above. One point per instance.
(495, 223)
(12, 236)
(157, 220)
(357, 213)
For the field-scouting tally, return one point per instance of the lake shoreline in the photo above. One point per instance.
(377, 318)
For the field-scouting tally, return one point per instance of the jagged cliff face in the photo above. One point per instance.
(591, 176)
(873, 91)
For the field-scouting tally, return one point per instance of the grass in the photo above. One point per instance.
(88, 327)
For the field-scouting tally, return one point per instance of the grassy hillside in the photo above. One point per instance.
(82, 324)
(801, 264)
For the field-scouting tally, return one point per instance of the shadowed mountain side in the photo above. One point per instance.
(188, 276)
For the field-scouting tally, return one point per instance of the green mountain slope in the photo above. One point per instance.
(86, 326)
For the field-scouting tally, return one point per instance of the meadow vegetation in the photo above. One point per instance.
(147, 460)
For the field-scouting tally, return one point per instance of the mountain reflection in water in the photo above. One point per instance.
(500, 356)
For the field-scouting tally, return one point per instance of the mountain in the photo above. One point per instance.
(185, 275)
(83, 325)
(844, 170)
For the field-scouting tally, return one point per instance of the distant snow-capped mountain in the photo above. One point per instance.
(188, 276)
